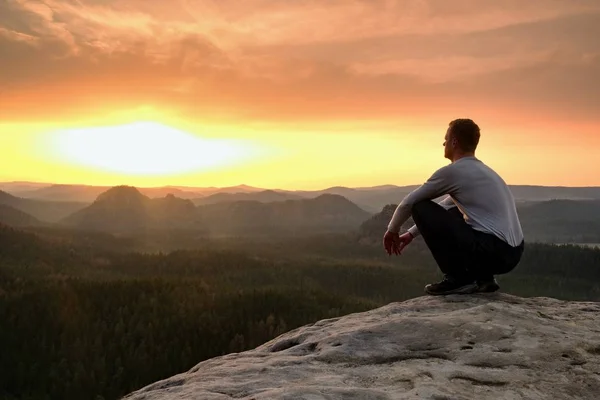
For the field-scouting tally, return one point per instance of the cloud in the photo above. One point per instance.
(300, 59)
(17, 36)
(313, 21)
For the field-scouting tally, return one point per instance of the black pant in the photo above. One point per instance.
(459, 250)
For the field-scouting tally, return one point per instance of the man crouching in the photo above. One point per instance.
(474, 233)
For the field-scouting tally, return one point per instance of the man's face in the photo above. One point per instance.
(448, 148)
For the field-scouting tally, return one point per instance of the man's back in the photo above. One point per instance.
(485, 199)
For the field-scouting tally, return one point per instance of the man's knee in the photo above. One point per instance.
(421, 207)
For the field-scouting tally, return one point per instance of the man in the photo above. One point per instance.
(474, 233)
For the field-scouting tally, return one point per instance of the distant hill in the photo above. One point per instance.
(323, 213)
(553, 221)
(162, 192)
(240, 189)
(265, 196)
(118, 209)
(561, 221)
(88, 194)
(126, 209)
(79, 193)
(209, 191)
(374, 199)
(371, 199)
(173, 212)
(17, 218)
(373, 228)
(14, 187)
(46, 211)
(542, 193)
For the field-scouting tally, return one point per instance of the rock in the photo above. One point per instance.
(484, 346)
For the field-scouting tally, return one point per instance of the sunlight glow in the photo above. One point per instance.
(147, 148)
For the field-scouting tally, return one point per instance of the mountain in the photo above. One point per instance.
(126, 209)
(378, 198)
(17, 218)
(161, 192)
(369, 199)
(47, 211)
(80, 193)
(562, 210)
(379, 187)
(240, 188)
(373, 199)
(326, 212)
(173, 212)
(265, 196)
(372, 229)
(14, 187)
(484, 347)
(542, 193)
(118, 209)
(553, 221)
(561, 221)
(208, 191)
(86, 193)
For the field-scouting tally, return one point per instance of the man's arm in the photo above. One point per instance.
(447, 203)
(437, 185)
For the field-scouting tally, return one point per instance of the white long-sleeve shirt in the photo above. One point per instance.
(482, 196)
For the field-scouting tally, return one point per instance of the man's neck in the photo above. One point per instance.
(462, 155)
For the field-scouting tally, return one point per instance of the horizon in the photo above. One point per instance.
(288, 95)
(41, 185)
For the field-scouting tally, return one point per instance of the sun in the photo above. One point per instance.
(147, 148)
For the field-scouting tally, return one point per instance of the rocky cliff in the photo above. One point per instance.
(486, 346)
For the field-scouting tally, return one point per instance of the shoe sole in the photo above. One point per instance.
(488, 288)
(467, 289)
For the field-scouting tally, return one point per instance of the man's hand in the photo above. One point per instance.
(395, 243)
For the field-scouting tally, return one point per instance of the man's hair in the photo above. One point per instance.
(466, 132)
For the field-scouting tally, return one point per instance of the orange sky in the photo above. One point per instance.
(303, 94)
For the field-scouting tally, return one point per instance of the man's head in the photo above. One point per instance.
(462, 138)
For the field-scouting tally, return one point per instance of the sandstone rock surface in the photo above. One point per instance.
(485, 346)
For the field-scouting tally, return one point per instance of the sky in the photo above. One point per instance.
(298, 94)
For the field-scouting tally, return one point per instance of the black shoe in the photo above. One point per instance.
(487, 286)
(451, 285)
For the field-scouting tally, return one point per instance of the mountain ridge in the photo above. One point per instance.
(125, 209)
(266, 196)
(16, 218)
(45, 211)
(550, 221)
(371, 199)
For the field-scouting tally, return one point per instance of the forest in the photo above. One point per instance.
(93, 316)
